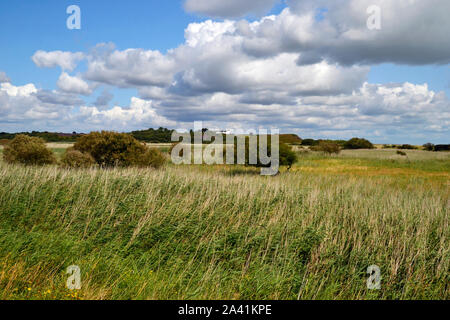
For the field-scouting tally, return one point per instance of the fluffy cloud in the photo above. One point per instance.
(65, 60)
(412, 32)
(131, 68)
(58, 98)
(25, 108)
(20, 107)
(406, 111)
(138, 115)
(74, 85)
(229, 8)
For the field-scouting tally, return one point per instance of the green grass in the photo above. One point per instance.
(200, 232)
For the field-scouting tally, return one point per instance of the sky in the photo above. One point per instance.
(317, 68)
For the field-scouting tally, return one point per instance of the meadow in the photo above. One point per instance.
(221, 232)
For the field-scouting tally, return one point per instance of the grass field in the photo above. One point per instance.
(216, 232)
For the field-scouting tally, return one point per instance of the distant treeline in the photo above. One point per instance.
(427, 146)
(314, 143)
(47, 136)
(161, 135)
(164, 135)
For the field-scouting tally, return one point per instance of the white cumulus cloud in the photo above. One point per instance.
(74, 85)
(63, 59)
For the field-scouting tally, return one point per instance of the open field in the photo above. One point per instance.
(217, 232)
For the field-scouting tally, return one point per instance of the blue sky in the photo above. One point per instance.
(42, 24)
(29, 26)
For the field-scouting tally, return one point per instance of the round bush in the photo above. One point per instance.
(76, 159)
(358, 143)
(152, 158)
(110, 149)
(29, 151)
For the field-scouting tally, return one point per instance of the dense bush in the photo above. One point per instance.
(428, 146)
(327, 147)
(309, 142)
(358, 143)
(287, 156)
(407, 147)
(28, 150)
(111, 149)
(152, 158)
(76, 159)
(401, 153)
(442, 147)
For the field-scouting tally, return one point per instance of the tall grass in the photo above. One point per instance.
(219, 233)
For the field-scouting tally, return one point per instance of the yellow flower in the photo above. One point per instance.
(29, 289)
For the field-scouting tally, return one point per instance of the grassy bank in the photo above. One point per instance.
(226, 233)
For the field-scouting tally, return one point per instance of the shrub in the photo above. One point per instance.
(358, 143)
(407, 147)
(152, 158)
(77, 159)
(401, 153)
(29, 151)
(327, 147)
(111, 149)
(287, 156)
(428, 146)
